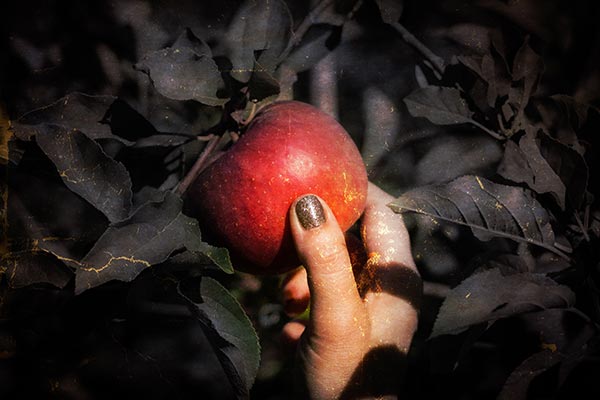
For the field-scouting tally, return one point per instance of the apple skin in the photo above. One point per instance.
(289, 149)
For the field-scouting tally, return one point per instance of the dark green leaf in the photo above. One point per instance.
(231, 333)
(179, 73)
(391, 10)
(218, 255)
(489, 295)
(58, 222)
(488, 208)
(76, 111)
(27, 268)
(149, 237)
(547, 166)
(259, 26)
(440, 105)
(88, 171)
(526, 164)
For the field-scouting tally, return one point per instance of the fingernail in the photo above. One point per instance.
(310, 212)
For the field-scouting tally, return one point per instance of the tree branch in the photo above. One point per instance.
(436, 61)
(198, 165)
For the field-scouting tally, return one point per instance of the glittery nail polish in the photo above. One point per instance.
(310, 212)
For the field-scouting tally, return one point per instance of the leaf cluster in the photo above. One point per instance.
(540, 199)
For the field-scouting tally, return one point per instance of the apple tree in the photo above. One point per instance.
(481, 118)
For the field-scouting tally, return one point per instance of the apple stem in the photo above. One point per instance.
(251, 115)
(198, 165)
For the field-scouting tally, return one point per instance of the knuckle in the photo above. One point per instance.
(331, 255)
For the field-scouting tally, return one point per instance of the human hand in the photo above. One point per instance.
(361, 322)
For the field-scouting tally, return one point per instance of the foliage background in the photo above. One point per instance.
(533, 332)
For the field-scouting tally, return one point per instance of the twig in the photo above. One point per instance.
(493, 134)
(309, 19)
(435, 60)
(434, 289)
(304, 26)
(323, 80)
(198, 165)
(582, 227)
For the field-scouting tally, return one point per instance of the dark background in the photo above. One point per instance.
(105, 343)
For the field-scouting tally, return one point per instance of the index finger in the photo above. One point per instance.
(389, 281)
(390, 266)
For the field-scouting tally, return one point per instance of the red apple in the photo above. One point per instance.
(289, 149)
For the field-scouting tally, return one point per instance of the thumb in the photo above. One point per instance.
(321, 247)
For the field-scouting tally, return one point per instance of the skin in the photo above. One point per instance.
(361, 322)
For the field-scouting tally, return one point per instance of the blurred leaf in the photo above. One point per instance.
(88, 171)
(231, 333)
(576, 112)
(149, 237)
(163, 140)
(564, 337)
(189, 40)
(525, 164)
(180, 73)
(477, 154)
(261, 27)
(517, 384)
(318, 42)
(563, 117)
(440, 105)
(391, 10)
(382, 121)
(527, 67)
(420, 77)
(526, 73)
(76, 111)
(497, 81)
(569, 165)
(488, 208)
(489, 295)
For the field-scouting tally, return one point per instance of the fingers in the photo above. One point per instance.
(295, 293)
(390, 280)
(291, 333)
(321, 247)
(384, 233)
